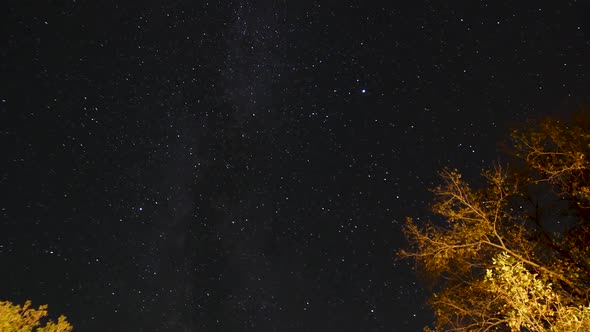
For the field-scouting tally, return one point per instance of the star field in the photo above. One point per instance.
(247, 165)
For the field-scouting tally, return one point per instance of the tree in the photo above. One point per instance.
(513, 255)
(14, 318)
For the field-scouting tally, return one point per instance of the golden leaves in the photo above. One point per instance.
(495, 264)
(530, 302)
(14, 318)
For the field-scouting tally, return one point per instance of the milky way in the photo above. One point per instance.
(244, 165)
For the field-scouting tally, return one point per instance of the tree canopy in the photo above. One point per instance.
(513, 255)
(16, 318)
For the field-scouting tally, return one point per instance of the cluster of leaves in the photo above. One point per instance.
(495, 260)
(14, 318)
(528, 302)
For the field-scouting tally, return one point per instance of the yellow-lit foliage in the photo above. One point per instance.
(528, 301)
(494, 264)
(16, 318)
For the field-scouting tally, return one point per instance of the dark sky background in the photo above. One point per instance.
(247, 165)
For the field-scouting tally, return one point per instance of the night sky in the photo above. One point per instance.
(247, 165)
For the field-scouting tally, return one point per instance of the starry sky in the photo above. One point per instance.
(247, 165)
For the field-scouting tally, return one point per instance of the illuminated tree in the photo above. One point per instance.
(14, 318)
(515, 254)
